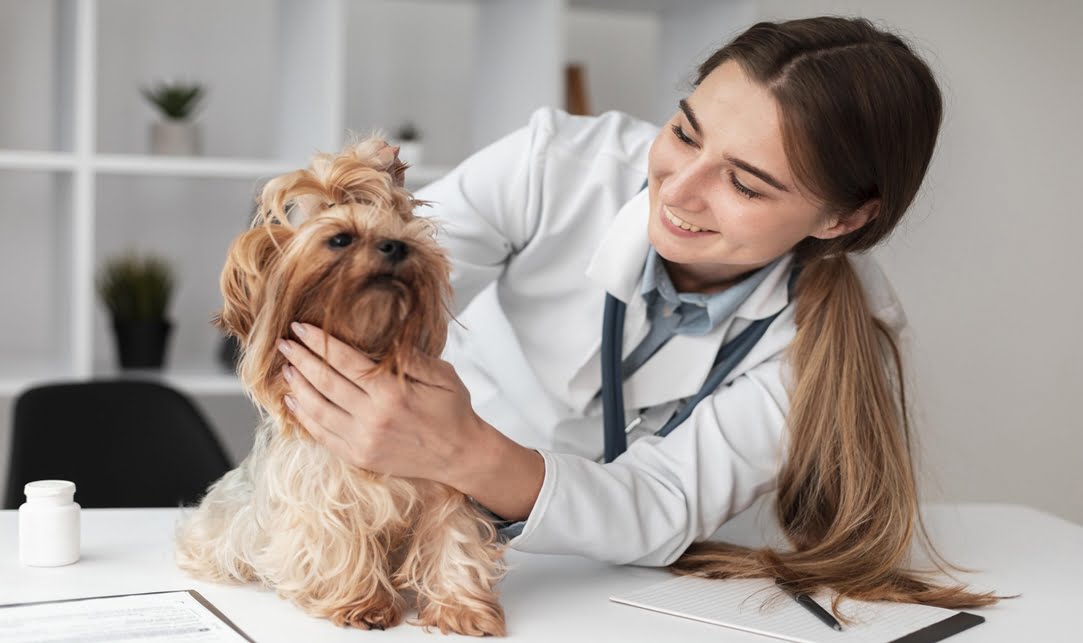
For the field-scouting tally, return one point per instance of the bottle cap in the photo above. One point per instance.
(49, 489)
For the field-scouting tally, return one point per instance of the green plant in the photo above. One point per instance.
(135, 288)
(176, 101)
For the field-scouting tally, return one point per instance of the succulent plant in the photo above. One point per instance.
(176, 101)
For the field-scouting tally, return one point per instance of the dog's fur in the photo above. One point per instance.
(342, 543)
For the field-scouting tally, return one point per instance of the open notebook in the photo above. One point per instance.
(758, 606)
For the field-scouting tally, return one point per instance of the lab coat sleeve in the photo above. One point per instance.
(488, 207)
(661, 495)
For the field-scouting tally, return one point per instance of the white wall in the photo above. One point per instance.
(987, 263)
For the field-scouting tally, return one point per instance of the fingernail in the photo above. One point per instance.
(284, 346)
(287, 372)
(290, 402)
(299, 329)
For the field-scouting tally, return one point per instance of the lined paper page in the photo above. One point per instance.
(758, 606)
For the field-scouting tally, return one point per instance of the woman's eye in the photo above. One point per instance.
(681, 136)
(340, 240)
(746, 192)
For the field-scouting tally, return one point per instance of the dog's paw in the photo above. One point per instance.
(367, 616)
(486, 619)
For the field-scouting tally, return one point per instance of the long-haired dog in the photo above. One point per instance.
(342, 543)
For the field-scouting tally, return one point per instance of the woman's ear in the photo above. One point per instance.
(251, 258)
(838, 225)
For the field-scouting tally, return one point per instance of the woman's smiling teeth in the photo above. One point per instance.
(684, 225)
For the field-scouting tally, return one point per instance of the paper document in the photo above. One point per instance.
(758, 606)
(172, 616)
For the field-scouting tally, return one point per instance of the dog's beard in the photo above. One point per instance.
(384, 310)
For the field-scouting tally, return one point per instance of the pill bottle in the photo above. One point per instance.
(49, 524)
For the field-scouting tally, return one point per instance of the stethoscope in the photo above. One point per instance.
(729, 355)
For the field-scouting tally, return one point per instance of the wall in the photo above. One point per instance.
(987, 263)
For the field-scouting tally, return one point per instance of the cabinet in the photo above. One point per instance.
(285, 78)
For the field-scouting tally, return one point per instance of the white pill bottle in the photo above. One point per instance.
(49, 524)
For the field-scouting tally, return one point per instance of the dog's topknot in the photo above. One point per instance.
(366, 171)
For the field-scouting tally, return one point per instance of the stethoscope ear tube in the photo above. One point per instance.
(616, 441)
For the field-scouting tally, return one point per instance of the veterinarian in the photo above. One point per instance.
(758, 347)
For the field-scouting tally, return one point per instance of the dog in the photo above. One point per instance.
(338, 245)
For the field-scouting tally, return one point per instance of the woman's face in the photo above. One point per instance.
(718, 167)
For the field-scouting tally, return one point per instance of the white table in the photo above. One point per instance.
(1013, 549)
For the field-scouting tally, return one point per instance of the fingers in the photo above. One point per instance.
(347, 361)
(316, 384)
(315, 427)
(314, 406)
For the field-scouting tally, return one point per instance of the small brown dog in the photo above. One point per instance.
(341, 542)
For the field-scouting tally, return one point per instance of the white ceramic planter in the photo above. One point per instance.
(175, 138)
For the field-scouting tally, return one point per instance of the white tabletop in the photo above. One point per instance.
(1012, 549)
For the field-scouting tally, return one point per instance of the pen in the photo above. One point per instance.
(806, 601)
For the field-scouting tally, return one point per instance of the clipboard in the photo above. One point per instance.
(757, 606)
(16, 619)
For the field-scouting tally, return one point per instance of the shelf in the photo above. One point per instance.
(20, 375)
(191, 382)
(224, 168)
(34, 160)
(181, 166)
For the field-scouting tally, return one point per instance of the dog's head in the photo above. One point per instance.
(336, 245)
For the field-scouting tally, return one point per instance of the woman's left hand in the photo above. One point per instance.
(421, 428)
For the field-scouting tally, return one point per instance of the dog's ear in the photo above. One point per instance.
(251, 258)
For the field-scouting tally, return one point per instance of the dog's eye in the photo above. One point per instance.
(340, 240)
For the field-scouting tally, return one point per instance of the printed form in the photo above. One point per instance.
(174, 616)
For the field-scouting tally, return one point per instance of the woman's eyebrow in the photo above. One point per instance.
(763, 175)
(687, 109)
(757, 172)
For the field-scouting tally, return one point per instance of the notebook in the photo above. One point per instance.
(758, 606)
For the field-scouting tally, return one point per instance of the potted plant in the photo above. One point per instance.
(176, 134)
(408, 139)
(136, 291)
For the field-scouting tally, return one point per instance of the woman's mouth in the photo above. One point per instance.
(679, 226)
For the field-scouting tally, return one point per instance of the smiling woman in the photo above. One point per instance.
(760, 347)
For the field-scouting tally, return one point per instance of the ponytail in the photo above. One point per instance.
(847, 500)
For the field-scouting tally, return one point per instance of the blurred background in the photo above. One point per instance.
(95, 162)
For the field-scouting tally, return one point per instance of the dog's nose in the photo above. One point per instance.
(392, 250)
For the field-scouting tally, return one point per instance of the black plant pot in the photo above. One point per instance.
(141, 343)
(229, 353)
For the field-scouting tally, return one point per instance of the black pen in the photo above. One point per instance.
(806, 601)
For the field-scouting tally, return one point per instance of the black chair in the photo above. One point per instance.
(124, 443)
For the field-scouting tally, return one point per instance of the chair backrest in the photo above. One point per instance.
(124, 443)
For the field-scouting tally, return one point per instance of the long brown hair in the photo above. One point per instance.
(860, 113)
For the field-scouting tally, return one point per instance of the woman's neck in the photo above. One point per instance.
(707, 280)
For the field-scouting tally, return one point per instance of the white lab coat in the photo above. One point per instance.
(555, 215)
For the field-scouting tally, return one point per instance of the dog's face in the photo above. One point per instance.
(358, 264)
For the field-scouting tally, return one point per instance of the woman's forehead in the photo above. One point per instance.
(738, 117)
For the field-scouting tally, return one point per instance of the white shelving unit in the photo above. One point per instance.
(287, 77)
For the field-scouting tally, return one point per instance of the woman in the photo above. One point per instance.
(802, 144)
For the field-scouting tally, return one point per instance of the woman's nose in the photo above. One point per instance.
(684, 188)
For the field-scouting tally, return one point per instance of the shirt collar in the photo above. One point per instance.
(715, 307)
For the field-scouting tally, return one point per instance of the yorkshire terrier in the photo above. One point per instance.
(337, 245)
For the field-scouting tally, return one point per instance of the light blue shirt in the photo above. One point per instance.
(676, 313)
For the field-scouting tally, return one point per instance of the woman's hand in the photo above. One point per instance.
(424, 427)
